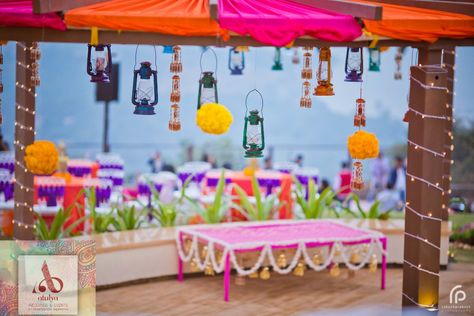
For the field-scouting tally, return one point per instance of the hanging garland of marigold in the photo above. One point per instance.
(214, 118)
(363, 145)
(41, 157)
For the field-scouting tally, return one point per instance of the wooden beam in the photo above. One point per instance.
(46, 6)
(24, 120)
(213, 9)
(466, 8)
(357, 9)
(424, 202)
(135, 37)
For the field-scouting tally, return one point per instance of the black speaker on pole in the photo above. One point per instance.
(108, 92)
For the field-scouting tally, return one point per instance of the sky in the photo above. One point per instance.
(67, 110)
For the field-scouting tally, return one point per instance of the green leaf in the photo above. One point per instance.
(374, 210)
(244, 200)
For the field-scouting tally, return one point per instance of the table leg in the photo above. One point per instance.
(227, 277)
(384, 262)
(180, 269)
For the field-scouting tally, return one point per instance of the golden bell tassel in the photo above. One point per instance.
(355, 258)
(299, 270)
(281, 261)
(209, 270)
(317, 259)
(204, 252)
(265, 273)
(335, 271)
(194, 266)
(187, 245)
(373, 263)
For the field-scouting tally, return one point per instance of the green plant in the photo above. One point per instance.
(101, 223)
(214, 212)
(317, 204)
(57, 229)
(128, 218)
(263, 209)
(374, 211)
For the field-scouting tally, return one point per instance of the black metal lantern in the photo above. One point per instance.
(145, 88)
(354, 64)
(207, 84)
(99, 62)
(236, 61)
(253, 137)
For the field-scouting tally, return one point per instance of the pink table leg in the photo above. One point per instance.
(384, 262)
(227, 277)
(180, 269)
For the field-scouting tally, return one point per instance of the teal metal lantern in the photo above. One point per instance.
(145, 87)
(253, 136)
(277, 65)
(374, 59)
(207, 85)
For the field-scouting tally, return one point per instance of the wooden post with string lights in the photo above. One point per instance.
(425, 193)
(23, 221)
(449, 58)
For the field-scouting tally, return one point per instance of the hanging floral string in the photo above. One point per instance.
(398, 61)
(306, 75)
(176, 67)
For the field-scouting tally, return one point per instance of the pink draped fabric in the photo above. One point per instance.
(279, 22)
(19, 13)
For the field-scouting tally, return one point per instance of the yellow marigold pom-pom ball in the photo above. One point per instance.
(363, 145)
(41, 157)
(214, 118)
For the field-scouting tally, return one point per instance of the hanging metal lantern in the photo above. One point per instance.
(253, 136)
(175, 122)
(325, 87)
(307, 71)
(175, 95)
(398, 61)
(357, 183)
(277, 65)
(145, 87)
(354, 64)
(236, 61)
(99, 62)
(359, 117)
(305, 101)
(374, 59)
(295, 58)
(167, 49)
(176, 66)
(207, 84)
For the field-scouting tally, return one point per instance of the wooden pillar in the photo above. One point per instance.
(425, 194)
(449, 57)
(24, 135)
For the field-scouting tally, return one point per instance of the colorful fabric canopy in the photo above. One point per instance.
(19, 13)
(416, 24)
(279, 22)
(176, 17)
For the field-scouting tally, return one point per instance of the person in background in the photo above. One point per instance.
(3, 144)
(380, 172)
(342, 182)
(398, 177)
(155, 162)
(389, 198)
(268, 163)
(299, 160)
(324, 185)
(209, 159)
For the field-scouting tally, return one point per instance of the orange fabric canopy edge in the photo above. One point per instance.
(176, 17)
(417, 24)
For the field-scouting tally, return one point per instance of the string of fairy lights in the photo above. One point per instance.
(28, 87)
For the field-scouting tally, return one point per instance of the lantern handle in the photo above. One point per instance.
(247, 97)
(136, 51)
(215, 56)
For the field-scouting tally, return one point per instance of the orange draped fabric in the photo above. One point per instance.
(416, 24)
(176, 17)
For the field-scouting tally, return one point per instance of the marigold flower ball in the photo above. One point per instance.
(214, 118)
(363, 145)
(41, 157)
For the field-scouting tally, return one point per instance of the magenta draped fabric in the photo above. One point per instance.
(19, 13)
(279, 22)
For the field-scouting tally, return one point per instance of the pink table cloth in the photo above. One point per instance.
(279, 22)
(19, 13)
(303, 236)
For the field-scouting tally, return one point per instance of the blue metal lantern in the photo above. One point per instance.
(236, 61)
(354, 64)
(99, 63)
(145, 89)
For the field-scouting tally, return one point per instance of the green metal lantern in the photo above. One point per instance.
(277, 65)
(207, 84)
(374, 59)
(253, 136)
